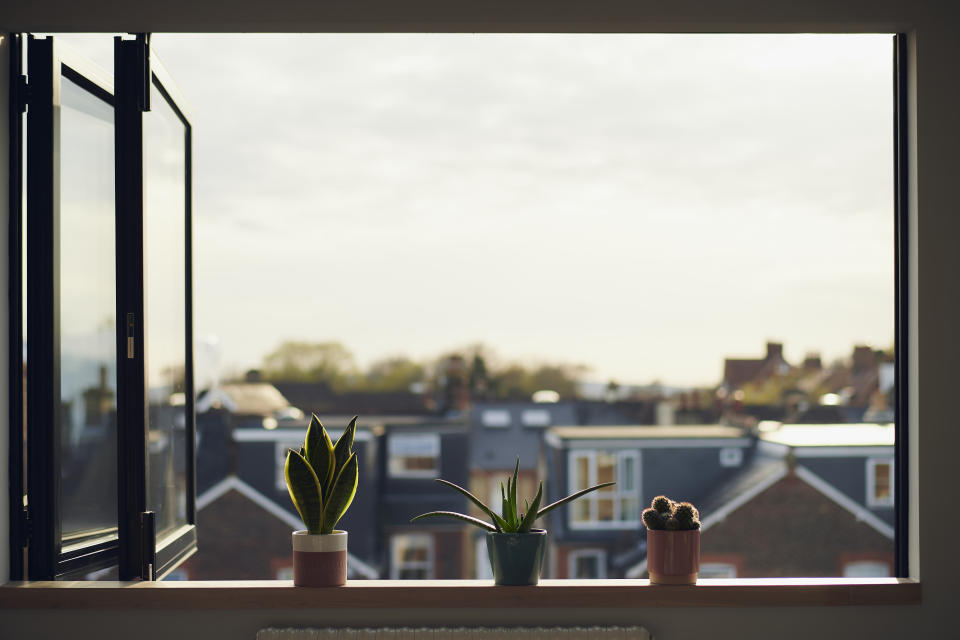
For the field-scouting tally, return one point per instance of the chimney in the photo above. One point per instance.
(812, 362)
(863, 358)
(456, 390)
(774, 351)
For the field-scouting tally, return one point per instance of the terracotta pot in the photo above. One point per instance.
(319, 560)
(673, 557)
(516, 558)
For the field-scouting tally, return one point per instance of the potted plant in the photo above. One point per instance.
(322, 480)
(515, 548)
(673, 541)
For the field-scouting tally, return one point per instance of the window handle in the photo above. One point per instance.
(130, 327)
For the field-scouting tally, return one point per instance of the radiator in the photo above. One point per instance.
(460, 633)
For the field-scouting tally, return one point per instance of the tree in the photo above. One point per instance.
(393, 374)
(299, 361)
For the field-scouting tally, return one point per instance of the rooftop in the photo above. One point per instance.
(627, 432)
(829, 435)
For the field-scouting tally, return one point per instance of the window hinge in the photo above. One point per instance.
(23, 93)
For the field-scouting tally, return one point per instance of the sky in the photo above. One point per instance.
(645, 205)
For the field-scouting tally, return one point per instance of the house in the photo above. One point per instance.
(811, 501)
(601, 535)
(414, 454)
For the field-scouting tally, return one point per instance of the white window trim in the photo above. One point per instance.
(396, 472)
(872, 501)
(496, 418)
(280, 456)
(396, 565)
(591, 498)
(599, 554)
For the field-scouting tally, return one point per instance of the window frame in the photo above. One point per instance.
(600, 555)
(394, 471)
(902, 311)
(615, 493)
(47, 552)
(397, 564)
(132, 546)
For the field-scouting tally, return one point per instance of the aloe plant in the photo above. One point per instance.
(322, 477)
(511, 519)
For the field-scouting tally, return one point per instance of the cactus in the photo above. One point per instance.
(662, 504)
(666, 514)
(322, 477)
(511, 519)
(652, 518)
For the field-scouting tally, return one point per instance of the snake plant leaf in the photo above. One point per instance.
(319, 453)
(532, 513)
(341, 494)
(304, 488)
(459, 516)
(573, 496)
(344, 446)
(498, 522)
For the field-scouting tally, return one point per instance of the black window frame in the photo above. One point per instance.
(36, 548)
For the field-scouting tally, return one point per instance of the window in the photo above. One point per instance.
(108, 250)
(880, 482)
(535, 418)
(495, 418)
(280, 460)
(413, 455)
(731, 457)
(411, 556)
(616, 507)
(587, 563)
(613, 509)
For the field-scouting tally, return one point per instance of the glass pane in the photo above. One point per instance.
(88, 379)
(164, 279)
(882, 482)
(605, 509)
(606, 466)
(582, 479)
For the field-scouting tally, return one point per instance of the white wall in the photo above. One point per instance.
(935, 293)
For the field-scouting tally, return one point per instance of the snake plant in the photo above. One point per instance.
(511, 519)
(322, 477)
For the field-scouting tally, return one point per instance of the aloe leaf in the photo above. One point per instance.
(304, 488)
(512, 490)
(573, 496)
(319, 453)
(344, 446)
(498, 522)
(343, 490)
(459, 516)
(532, 513)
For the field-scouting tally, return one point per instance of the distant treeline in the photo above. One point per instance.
(484, 374)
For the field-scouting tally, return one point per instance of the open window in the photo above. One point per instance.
(109, 420)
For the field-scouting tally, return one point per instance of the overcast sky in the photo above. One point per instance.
(645, 205)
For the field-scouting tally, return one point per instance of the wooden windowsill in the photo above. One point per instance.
(367, 594)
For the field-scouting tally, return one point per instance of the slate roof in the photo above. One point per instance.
(244, 398)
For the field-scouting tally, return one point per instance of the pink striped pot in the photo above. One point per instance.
(673, 557)
(319, 560)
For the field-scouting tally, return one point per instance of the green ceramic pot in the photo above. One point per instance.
(516, 558)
